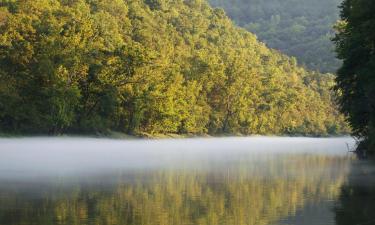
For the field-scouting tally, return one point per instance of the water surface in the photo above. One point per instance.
(224, 181)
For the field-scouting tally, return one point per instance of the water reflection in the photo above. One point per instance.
(251, 189)
(356, 205)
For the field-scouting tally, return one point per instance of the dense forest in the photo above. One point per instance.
(150, 67)
(300, 28)
(355, 44)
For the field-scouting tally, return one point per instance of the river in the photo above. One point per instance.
(207, 181)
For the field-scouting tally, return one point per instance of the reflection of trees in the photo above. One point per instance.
(357, 199)
(256, 192)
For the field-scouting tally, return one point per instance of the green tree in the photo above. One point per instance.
(148, 68)
(356, 81)
(300, 28)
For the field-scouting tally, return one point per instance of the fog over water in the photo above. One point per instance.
(235, 180)
(50, 156)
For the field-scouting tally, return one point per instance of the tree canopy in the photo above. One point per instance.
(355, 44)
(150, 67)
(301, 28)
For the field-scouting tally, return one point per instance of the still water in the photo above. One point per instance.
(226, 181)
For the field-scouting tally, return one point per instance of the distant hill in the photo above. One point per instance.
(300, 28)
(150, 67)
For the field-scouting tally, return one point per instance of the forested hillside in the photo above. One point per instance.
(151, 66)
(300, 28)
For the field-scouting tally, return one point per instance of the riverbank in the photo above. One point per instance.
(120, 135)
(109, 135)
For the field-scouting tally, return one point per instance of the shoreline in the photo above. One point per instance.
(146, 136)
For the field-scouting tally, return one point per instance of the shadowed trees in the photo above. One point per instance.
(355, 41)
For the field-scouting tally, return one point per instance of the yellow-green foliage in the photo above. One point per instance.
(152, 66)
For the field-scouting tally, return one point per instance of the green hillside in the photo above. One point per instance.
(153, 66)
(300, 28)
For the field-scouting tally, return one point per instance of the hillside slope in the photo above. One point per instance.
(150, 66)
(301, 28)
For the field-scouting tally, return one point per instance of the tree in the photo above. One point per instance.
(148, 68)
(300, 28)
(355, 41)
